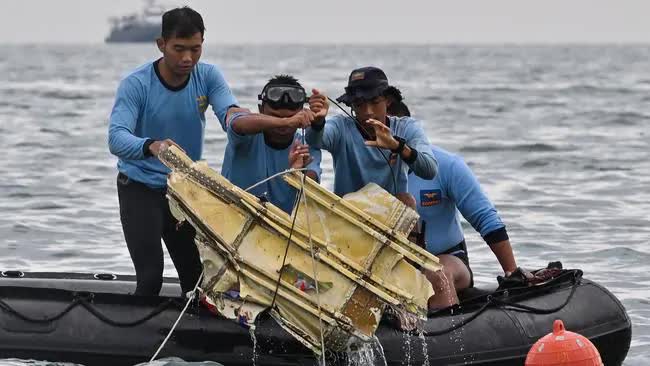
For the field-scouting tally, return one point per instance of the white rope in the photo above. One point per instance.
(189, 300)
(313, 263)
(274, 176)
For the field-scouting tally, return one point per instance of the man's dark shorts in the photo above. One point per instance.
(460, 251)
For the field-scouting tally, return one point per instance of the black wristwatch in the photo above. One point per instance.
(400, 147)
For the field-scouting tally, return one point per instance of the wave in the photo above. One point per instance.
(551, 87)
(57, 89)
(542, 104)
(32, 145)
(535, 163)
(534, 147)
(66, 95)
(626, 118)
(52, 131)
(90, 180)
(614, 117)
(620, 252)
(15, 105)
(600, 168)
(20, 195)
(20, 228)
(48, 206)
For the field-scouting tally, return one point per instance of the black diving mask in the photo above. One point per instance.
(290, 95)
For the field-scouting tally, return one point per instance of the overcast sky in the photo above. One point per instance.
(349, 21)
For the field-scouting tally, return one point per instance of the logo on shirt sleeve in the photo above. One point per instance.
(430, 197)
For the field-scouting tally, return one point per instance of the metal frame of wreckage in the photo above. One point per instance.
(278, 221)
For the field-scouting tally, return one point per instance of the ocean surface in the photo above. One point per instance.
(558, 136)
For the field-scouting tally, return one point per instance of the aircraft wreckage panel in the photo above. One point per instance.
(364, 262)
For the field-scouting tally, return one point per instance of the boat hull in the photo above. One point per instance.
(146, 33)
(498, 335)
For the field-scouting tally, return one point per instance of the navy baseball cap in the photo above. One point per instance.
(364, 83)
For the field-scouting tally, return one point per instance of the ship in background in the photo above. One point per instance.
(137, 27)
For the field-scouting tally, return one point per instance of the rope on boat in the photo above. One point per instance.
(492, 299)
(293, 222)
(313, 263)
(275, 176)
(190, 296)
(85, 303)
(286, 249)
(91, 309)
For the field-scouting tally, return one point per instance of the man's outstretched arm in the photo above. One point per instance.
(247, 123)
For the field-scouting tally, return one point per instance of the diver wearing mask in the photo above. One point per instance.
(271, 142)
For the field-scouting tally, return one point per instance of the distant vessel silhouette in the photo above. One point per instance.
(137, 27)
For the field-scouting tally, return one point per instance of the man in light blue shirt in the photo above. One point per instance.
(160, 104)
(372, 147)
(262, 147)
(438, 200)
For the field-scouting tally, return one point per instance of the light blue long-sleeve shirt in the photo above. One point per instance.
(147, 108)
(248, 160)
(356, 164)
(455, 188)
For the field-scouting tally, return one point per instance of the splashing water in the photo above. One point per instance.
(366, 354)
(380, 350)
(407, 348)
(456, 336)
(425, 350)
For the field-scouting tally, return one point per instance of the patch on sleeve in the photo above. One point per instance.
(430, 197)
(202, 102)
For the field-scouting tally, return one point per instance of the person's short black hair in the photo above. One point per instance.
(182, 23)
(283, 79)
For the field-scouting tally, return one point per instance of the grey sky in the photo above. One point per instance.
(349, 21)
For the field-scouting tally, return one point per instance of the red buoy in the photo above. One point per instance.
(563, 348)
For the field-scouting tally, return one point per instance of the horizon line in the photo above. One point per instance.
(353, 43)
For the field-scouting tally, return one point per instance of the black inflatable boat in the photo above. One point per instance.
(92, 320)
